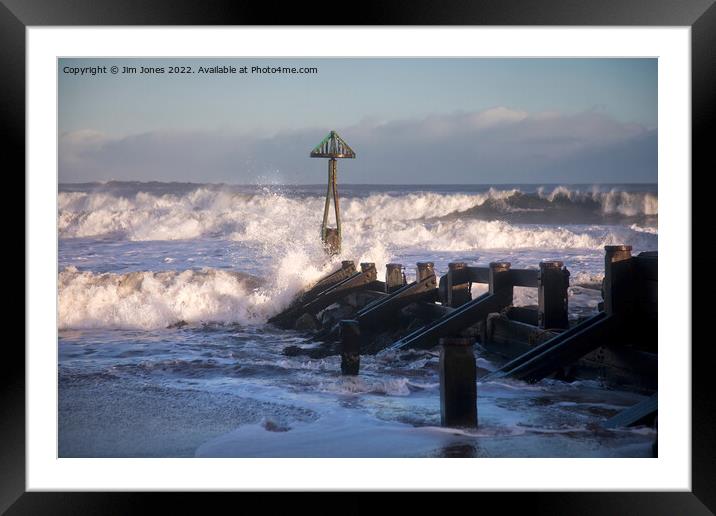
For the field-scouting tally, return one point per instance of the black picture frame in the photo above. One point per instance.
(700, 15)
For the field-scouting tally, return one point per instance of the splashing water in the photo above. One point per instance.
(164, 290)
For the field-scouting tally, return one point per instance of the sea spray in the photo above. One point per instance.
(146, 300)
(149, 300)
(275, 215)
(190, 244)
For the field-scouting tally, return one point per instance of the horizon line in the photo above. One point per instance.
(595, 183)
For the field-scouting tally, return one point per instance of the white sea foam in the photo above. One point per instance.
(156, 299)
(362, 385)
(146, 300)
(472, 234)
(271, 217)
(375, 229)
(648, 229)
(613, 201)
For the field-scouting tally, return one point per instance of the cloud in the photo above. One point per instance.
(496, 145)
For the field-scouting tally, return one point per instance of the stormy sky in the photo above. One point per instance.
(410, 121)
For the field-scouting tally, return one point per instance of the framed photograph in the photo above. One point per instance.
(412, 251)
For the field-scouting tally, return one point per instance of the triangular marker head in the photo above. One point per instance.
(333, 146)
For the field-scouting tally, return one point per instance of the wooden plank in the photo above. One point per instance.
(560, 351)
(524, 277)
(640, 414)
(479, 274)
(459, 275)
(381, 309)
(358, 281)
(618, 365)
(519, 277)
(461, 317)
(538, 351)
(523, 314)
(503, 329)
(294, 310)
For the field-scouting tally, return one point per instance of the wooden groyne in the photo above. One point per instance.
(351, 314)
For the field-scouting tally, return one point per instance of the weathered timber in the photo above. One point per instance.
(498, 297)
(524, 277)
(523, 314)
(458, 284)
(613, 362)
(307, 322)
(478, 274)
(350, 347)
(294, 311)
(501, 278)
(356, 282)
(552, 285)
(380, 310)
(642, 413)
(458, 383)
(394, 277)
(561, 350)
(618, 279)
(619, 365)
(511, 338)
(536, 351)
(622, 337)
(646, 268)
(347, 268)
(425, 270)
(648, 264)
(375, 285)
(518, 278)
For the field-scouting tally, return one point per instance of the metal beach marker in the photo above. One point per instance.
(332, 147)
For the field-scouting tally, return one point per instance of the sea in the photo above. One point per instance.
(164, 291)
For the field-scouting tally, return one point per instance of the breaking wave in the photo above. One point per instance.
(437, 220)
(145, 300)
(376, 228)
(566, 206)
(150, 300)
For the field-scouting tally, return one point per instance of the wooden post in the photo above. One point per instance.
(618, 279)
(394, 277)
(368, 268)
(499, 277)
(552, 284)
(458, 286)
(458, 383)
(350, 347)
(425, 270)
